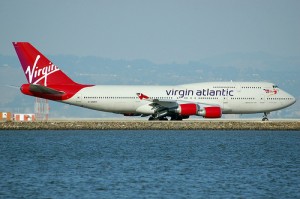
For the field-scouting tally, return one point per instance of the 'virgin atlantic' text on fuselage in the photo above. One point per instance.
(201, 92)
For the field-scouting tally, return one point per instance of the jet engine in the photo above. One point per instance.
(194, 109)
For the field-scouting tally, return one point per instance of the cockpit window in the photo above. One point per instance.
(274, 86)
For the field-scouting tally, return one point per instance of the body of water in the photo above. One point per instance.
(149, 164)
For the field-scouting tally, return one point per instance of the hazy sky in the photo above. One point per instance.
(159, 31)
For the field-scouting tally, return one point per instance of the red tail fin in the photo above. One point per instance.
(37, 68)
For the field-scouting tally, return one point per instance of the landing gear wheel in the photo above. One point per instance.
(265, 117)
(151, 118)
(176, 118)
(163, 119)
(155, 119)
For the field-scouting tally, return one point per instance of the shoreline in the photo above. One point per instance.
(152, 125)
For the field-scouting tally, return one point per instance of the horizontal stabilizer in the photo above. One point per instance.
(45, 90)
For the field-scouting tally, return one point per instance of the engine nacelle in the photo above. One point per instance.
(194, 109)
(187, 109)
(211, 112)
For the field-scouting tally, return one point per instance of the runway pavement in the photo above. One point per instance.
(153, 125)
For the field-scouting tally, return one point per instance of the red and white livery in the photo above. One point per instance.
(209, 100)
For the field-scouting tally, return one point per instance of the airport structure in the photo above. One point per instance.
(41, 109)
(21, 117)
(5, 116)
(41, 113)
(18, 117)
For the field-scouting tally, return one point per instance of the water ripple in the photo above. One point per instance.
(149, 164)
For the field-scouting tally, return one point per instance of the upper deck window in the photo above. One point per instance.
(274, 86)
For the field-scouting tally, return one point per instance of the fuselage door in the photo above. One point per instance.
(78, 98)
(226, 107)
(225, 99)
(238, 87)
(262, 98)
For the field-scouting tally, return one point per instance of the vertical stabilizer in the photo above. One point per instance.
(39, 69)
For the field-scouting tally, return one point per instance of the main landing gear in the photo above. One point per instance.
(265, 117)
(173, 118)
(158, 119)
(176, 118)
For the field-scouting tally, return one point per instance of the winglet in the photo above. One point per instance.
(142, 96)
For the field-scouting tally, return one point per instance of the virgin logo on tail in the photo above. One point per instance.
(36, 74)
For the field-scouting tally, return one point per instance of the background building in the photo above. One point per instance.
(5, 116)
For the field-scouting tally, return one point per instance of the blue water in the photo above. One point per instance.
(149, 164)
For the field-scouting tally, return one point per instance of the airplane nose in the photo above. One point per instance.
(293, 99)
(290, 99)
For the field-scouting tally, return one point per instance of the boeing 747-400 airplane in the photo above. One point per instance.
(209, 100)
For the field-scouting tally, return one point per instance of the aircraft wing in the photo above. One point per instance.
(165, 103)
(157, 103)
(169, 103)
(164, 107)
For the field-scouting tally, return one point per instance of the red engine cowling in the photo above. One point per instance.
(194, 109)
(211, 112)
(188, 109)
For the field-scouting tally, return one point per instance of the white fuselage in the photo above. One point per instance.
(209, 100)
(232, 97)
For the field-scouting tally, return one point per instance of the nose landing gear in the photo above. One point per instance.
(265, 117)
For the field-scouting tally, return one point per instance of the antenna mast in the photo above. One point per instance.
(41, 109)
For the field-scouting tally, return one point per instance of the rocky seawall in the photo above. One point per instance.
(152, 125)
